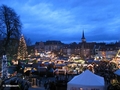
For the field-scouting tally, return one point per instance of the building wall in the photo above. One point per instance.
(82, 49)
(107, 54)
(39, 46)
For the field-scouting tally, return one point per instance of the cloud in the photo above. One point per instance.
(66, 19)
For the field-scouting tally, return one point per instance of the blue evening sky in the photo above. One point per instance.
(65, 20)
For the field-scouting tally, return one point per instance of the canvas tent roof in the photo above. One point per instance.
(87, 78)
(117, 72)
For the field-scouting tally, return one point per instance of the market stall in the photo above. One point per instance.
(86, 81)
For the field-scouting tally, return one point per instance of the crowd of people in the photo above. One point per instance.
(106, 69)
(52, 83)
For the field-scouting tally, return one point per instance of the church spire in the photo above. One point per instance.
(83, 37)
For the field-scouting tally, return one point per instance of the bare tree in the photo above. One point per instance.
(10, 26)
(28, 41)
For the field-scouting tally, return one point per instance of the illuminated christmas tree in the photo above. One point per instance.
(22, 49)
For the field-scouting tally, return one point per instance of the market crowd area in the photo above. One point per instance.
(55, 73)
(49, 77)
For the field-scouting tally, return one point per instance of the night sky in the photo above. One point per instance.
(65, 20)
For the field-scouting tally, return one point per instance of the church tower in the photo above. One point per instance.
(83, 43)
(83, 37)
